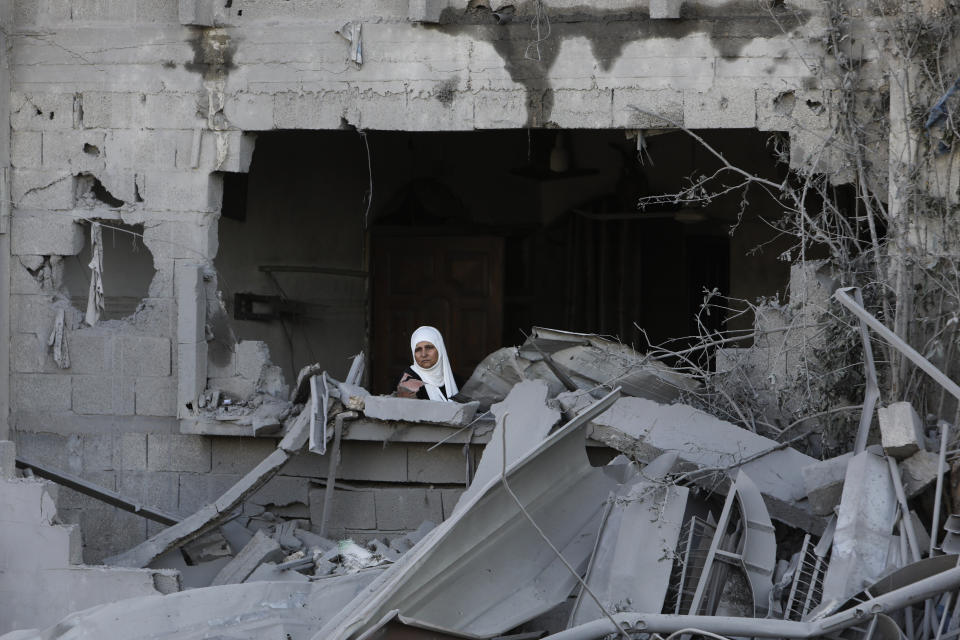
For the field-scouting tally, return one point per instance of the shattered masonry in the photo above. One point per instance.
(192, 447)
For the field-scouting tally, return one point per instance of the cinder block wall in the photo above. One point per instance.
(155, 109)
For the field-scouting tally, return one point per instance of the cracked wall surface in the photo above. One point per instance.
(120, 112)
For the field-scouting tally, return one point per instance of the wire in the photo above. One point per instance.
(573, 572)
(540, 22)
(366, 215)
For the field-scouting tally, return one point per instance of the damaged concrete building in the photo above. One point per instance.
(210, 207)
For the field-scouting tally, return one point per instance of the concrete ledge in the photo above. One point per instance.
(412, 410)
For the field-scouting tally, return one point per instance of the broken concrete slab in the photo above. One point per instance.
(493, 378)
(213, 514)
(645, 429)
(639, 511)
(248, 611)
(864, 525)
(901, 430)
(485, 569)
(414, 410)
(261, 548)
(530, 420)
(824, 483)
(919, 472)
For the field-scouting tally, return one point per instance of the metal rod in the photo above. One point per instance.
(941, 469)
(906, 522)
(946, 614)
(897, 342)
(332, 467)
(771, 627)
(94, 491)
(872, 391)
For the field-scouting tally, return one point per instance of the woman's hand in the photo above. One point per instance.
(408, 387)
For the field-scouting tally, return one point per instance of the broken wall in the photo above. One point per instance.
(166, 99)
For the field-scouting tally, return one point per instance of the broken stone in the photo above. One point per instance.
(209, 546)
(901, 430)
(413, 410)
(645, 429)
(864, 524)
(824, 483)
(260, 549)
(919, 472)
(406, 542)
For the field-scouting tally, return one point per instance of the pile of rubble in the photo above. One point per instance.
(681, 524)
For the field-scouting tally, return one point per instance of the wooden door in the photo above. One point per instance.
(452, 283)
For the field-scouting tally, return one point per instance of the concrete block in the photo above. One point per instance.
(130, 451)
(145, 356)
(326, 110)
(48, 448)
(40, 392)
(573, 108)
(78, 150)
(156, 316)
(43, 189)
(25, 149)
(156, 489)
(45, 235)
(252, 356)
(68, 499)
(198, 490)
(59, 545)
(261, 548)
(199, 13)
(29, 353)
(901, 430)
(103, 395)
(250, 111)
(42, 111)
(372, 462)
(8, 460)
(824, 483)
(156, 396)
(113, 110)
(98, 451)
(143, 149)
(170, 110)
(182, 191)
(426, 10)
(444, 465)
(229, 151)
(651, 103)
(193, 239)
(174, 452)
(350, 510)
(191, 375)
(919, 471)
(500, 109)
(407, 509)
(413, 410)
(239, 455)
(664, 9)
(91, 353)
(716, 109)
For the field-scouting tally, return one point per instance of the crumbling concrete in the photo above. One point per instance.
(260, 549)
(824, 483)
(412, 410)
(42, 577)
(709, 448)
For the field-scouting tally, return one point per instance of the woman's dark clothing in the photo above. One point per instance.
(408, 374)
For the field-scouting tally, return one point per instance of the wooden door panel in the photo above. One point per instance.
(452, 283)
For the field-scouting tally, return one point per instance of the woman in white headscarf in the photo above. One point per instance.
(430, 377)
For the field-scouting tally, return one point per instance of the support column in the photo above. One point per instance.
(6, 25)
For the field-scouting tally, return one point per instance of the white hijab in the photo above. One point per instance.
(440, 374)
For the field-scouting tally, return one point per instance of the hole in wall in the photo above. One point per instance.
(91, 149)
(127, 270)
(91, 193)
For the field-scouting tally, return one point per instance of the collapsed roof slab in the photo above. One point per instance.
(711, 447)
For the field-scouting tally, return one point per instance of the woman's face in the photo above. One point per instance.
(425, 354)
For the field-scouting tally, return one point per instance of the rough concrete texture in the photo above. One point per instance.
(919, 471)
(901, 430)
(41, 578)
(413, 410)
(824, 483)
(526, 421)
(864, 524)
(261, 548)
(646, 429)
